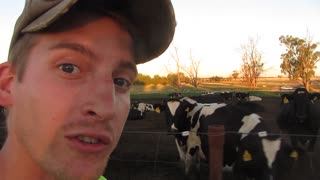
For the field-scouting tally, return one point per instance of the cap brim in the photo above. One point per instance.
(49, 16)
(153, 19)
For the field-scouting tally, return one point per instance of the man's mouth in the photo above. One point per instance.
(89, 140)
(89, 143)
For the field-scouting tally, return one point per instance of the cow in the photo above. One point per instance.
(227, 96)
(135, 114)
(138, 110)
(242, 96)
(249, 148)
(204, 98)
(300, 118)
(209, 98)
(174, 95)
(223, 97)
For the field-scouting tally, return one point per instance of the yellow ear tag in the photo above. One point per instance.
(246, 156)
(187, 109)
(285, 100)
(157, 110)
(294, 154)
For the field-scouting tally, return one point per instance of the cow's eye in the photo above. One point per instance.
(69, 68)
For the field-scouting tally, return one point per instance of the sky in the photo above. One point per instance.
(214, 30)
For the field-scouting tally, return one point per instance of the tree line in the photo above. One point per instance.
(172, 79)
(298, 63)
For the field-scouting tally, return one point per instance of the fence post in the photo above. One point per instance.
(216, 142)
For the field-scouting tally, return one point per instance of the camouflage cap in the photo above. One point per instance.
(154, 21)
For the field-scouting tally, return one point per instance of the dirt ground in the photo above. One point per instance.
(146, 152)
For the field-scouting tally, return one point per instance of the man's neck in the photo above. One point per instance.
(13, 161)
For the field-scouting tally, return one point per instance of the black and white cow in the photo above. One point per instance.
(138, 110)
(245, 97)
(249, 148)
(204, 98)
(227, 95)
(174, 95)
(135, 114)
(242, 96)
(209, 98)
(300, 116)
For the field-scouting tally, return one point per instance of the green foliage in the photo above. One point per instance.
(215, 79)
(300, 59)
(172, 79)
(146, 79)
(142, 79)
(235, 74)
(159, 80)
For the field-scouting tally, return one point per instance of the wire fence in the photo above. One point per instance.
(146, 151)
(156, 152)
(226, 132)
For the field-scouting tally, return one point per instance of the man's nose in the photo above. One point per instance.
(100, 101)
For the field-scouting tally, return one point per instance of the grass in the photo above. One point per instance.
(267, 87)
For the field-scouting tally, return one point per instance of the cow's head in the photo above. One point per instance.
(149, 107)
(285, 160)
(158, 108)
(301, 101)
(174, 95)
(181, 125)
(271, 159)
(242, 96)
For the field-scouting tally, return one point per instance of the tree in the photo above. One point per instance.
(142, 79)
(173, 79)
(252, 65)
(176, 58)
(193, 71)
(300, 59)
(235, 74)
(159, 79)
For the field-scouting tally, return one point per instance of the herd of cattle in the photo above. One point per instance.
(250, 148)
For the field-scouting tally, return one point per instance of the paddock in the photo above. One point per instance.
(146, 152)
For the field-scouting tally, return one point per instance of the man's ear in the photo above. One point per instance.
(6, 78)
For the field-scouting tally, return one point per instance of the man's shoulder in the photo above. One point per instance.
(102, 178)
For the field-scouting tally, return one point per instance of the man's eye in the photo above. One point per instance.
(122, 83)
(69, 68)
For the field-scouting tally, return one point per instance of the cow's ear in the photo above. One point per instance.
(157, 110)
(294, 154)
(6, 79)
(285, 100)
(246, 156)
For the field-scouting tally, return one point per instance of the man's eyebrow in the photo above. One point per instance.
(129, 65)
(87, 52)
(75, 47)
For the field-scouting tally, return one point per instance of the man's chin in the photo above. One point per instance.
(84, 171)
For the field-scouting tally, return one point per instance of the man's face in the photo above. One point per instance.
(69, 110)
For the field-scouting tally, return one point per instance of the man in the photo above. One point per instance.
(65, 87)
